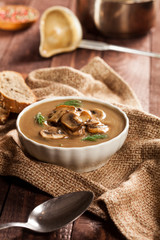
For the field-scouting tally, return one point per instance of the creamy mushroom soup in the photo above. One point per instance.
(71, 123)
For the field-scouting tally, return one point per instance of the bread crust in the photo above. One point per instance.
(14, 104)
(4, 114)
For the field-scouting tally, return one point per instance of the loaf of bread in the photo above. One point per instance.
(14, 92)
(4, 114)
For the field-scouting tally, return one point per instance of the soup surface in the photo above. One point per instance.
(71, 123)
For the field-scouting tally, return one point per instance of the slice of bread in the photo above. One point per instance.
(14, 92)
(4, 114)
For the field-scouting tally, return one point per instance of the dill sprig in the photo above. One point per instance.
(94, 137)
(75, 103)
(39, 118)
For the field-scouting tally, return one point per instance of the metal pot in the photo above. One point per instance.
(117, 18)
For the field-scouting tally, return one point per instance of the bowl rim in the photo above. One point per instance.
(91, 99)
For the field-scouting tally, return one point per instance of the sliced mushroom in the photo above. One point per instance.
(71, 121)
(79, 132)
(85, 116)
(58, 112)
(98, 113)
(52, 133)
(78, 109)
(95, 128)
(93, 121)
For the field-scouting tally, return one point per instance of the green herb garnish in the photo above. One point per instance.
(94, 137)
(75, 103)
(39, 118)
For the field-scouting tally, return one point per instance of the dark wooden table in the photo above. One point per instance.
(19, 52)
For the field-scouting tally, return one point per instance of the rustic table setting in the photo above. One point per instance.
(19, 51)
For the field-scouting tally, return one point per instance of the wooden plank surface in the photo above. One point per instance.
(19, 52)
(154, 106)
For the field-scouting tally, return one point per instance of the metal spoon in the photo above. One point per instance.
(55, 213)
(102, 46)
(76, 40)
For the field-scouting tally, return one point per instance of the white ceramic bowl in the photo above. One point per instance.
(79, 159)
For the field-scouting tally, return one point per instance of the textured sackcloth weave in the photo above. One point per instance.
(128, 187)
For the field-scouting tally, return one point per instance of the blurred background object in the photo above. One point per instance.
(17, 17)
(117, 18)
(60, 31)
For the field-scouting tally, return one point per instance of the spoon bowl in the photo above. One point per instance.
(60, 31)
(55, 213)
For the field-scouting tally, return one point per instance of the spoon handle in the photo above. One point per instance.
(12, 224)
(101, 46)
(134, 51)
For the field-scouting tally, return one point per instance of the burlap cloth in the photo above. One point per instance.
(128, 187)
